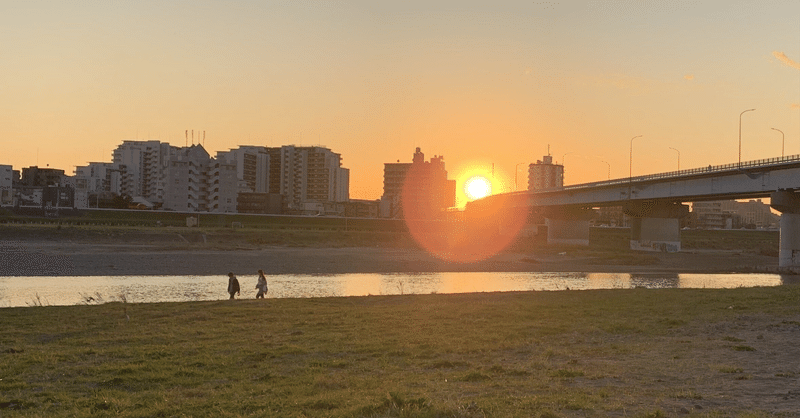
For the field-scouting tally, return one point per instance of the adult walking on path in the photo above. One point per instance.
(233, 285)
(261, 285)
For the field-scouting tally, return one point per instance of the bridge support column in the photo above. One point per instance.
(655, 225)
(569, 226)
(788, 203)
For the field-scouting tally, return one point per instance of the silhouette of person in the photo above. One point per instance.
(261, 285)
(233, 285)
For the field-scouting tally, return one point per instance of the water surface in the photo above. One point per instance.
(32, 291)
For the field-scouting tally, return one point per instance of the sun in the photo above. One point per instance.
(477, 187)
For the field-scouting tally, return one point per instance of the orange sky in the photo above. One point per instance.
(484, 85)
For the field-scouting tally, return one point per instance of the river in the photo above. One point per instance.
(49, 291)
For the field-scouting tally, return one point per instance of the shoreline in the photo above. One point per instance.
(58, 258)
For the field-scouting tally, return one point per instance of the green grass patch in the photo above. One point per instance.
(743, 348)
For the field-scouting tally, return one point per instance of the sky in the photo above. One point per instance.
(491, 86)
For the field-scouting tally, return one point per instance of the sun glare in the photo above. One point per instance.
(477, 187)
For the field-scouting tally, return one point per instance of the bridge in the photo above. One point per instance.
(655, 202)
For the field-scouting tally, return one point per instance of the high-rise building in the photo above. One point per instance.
(545, 175)
(252, 167)
(195, 182)
(420, 187)
(145, 164)
(311, 178)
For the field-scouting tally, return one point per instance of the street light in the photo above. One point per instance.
(516, 171)
(740, 134)
(630, 166)
(783, 140)
(679, 157)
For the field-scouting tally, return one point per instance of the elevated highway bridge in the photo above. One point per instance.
(655, 202)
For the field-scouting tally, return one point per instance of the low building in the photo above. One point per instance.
(361, 208)
(732, 214)
(41, 177)
(6, 185)
(752, 214)
(259, 203)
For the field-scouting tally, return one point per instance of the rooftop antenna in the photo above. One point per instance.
(192, 137)
(186, 143)
(548, 149)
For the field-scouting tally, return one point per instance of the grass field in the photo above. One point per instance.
(625, 353)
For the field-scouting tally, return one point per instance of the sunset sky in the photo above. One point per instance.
(485, 84)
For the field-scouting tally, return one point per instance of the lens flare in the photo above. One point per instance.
(483, 230)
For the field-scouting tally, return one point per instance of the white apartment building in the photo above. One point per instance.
(97, 179)
(195, 182)
(222, 188)
(312, 178)
(252, 167)
(145, 164)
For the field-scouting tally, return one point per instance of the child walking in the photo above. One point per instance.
(261, 285)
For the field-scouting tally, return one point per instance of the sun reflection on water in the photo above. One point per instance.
(31, 291)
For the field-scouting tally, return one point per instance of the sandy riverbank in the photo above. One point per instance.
(38, 257)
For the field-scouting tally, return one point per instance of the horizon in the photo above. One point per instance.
(489, 88)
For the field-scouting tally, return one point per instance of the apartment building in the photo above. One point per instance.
(545, 175)
(421, 185)
(41, 177)
(145, 164)
(252, 167)
(312, 180)
(303, 180)
(99, 180)
(195, 182)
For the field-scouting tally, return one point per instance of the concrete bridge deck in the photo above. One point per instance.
(655, 202)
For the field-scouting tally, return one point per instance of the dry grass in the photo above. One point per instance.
(633, 353)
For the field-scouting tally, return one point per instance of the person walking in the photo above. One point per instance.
(233, 285)
(261, 285)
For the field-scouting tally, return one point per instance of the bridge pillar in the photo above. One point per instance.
(788, 203)
(655, 225)
(568, 226)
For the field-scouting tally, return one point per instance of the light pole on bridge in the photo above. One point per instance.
(783, 140)
(740, 135)
(609, 169)
(679, 157)
(630, 166)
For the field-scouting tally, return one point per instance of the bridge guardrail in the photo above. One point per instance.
(681, 173)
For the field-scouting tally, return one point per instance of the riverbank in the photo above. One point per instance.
(614, 353)
(40, 251)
